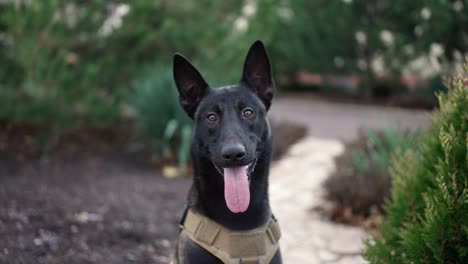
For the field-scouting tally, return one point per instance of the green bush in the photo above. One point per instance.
(56, 64)
(63, 65)
(427, 215)
(159, 117)
(361, 181)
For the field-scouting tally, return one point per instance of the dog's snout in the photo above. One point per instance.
(233, 152)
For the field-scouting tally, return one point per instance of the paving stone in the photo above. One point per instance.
(349, 241)
(327, 256)
(318, 241)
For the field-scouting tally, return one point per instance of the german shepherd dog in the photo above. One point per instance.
(231, 150)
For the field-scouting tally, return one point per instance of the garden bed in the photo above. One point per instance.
(356, 191)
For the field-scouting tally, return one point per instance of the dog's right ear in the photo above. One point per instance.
(191, 85)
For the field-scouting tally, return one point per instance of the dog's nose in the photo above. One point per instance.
(233, 152)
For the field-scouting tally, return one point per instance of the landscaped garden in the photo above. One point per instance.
(95, 148)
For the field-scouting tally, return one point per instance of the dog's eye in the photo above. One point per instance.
(248, 113)
(211, 117)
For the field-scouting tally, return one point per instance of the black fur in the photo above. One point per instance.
(224, 135)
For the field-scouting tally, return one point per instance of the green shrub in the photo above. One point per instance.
(381, 145)
(361, 181)
(159, 117)
(427, 215)
(55, 63)
(61, 66)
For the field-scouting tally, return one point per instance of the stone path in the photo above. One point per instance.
(296, 180)
(295, 187)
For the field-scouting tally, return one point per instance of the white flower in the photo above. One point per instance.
(241, 24)
(249, 9)
(361, 37)
(425, 13)
(387, 37)
(114, 21)
(436, 50)
(457, 6)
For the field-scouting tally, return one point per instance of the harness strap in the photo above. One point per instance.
(254, 246)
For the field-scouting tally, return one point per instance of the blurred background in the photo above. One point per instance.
(94, 148)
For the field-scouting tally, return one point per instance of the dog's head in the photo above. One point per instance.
(230, 122)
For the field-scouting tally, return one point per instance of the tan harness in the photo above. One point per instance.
(254, 246)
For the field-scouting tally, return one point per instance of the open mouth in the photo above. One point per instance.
(237, 186)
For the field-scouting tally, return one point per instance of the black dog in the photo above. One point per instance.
(231, 152)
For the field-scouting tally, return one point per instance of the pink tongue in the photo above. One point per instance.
(236, 189)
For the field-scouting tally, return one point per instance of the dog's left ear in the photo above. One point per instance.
(257, 73)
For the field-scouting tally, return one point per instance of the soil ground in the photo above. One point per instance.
(88, 200)
(88, 210)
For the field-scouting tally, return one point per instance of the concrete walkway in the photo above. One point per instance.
(342, 120)
(296, 180)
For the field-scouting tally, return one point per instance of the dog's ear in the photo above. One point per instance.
(191, 85)
(257, 73)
